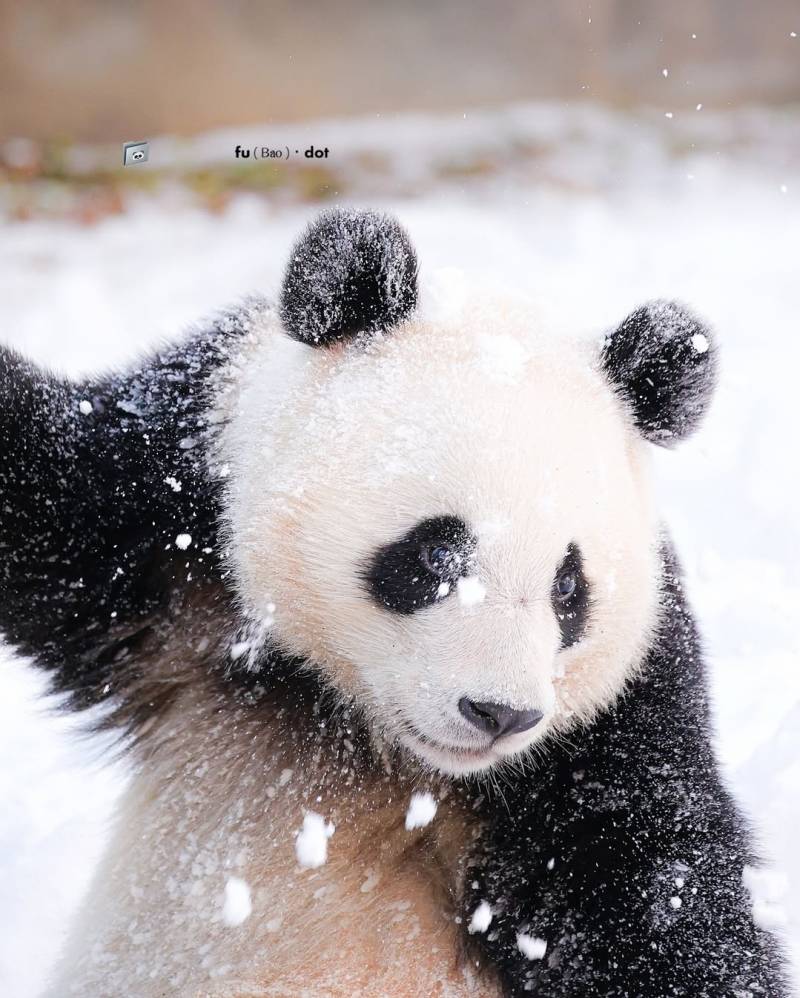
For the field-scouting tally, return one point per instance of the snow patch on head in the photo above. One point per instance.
(471, 591)
(503, 358)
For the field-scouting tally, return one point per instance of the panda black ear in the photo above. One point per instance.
(663, 363)
(350, 273)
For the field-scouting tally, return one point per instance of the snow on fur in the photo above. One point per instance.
(421, 810)
(237, 904)
(311, 844)
(349, 273)
(471, 591)
(531, 947)
(481, 918)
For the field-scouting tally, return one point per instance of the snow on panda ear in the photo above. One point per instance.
(661, 360)
(350, 273)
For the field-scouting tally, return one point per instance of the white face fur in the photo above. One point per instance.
(337, 453)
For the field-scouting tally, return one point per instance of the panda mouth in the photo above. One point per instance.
(451, 758)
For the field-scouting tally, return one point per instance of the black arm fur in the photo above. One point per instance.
(588, 852)
(88, 520)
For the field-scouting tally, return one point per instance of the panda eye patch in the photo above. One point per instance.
(413, 572)
(570, 597)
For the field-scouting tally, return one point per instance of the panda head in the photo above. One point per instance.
(450, 515)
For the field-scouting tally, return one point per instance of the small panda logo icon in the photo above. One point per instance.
(135, 152)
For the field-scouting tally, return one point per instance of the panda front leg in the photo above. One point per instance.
(49, 541)
(107, 504)
(603, 916)
(617, 869)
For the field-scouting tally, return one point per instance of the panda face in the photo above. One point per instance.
(452, 522)
(448, 514)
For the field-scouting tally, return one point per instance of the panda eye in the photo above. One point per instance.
(566, 584)
(570, 597)
(439, 559)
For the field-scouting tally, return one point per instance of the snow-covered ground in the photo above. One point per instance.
(614, 211)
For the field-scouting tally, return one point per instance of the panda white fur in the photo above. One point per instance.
(327, 555)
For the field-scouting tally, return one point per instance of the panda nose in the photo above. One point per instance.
(496, 719)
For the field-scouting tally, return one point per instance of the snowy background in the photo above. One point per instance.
(593, 212)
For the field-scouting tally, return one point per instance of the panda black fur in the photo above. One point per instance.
(617, 846)
(98, 479)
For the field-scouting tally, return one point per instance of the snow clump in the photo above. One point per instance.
(421, 811)
(481, 918)
(471, 591)
(237, 904)
(531, 946)
(311, 844)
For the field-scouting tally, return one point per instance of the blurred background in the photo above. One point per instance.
(592, 155)
(90, 70)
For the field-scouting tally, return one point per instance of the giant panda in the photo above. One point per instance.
(378, 598)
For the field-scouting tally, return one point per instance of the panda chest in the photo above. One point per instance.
(378, 917)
